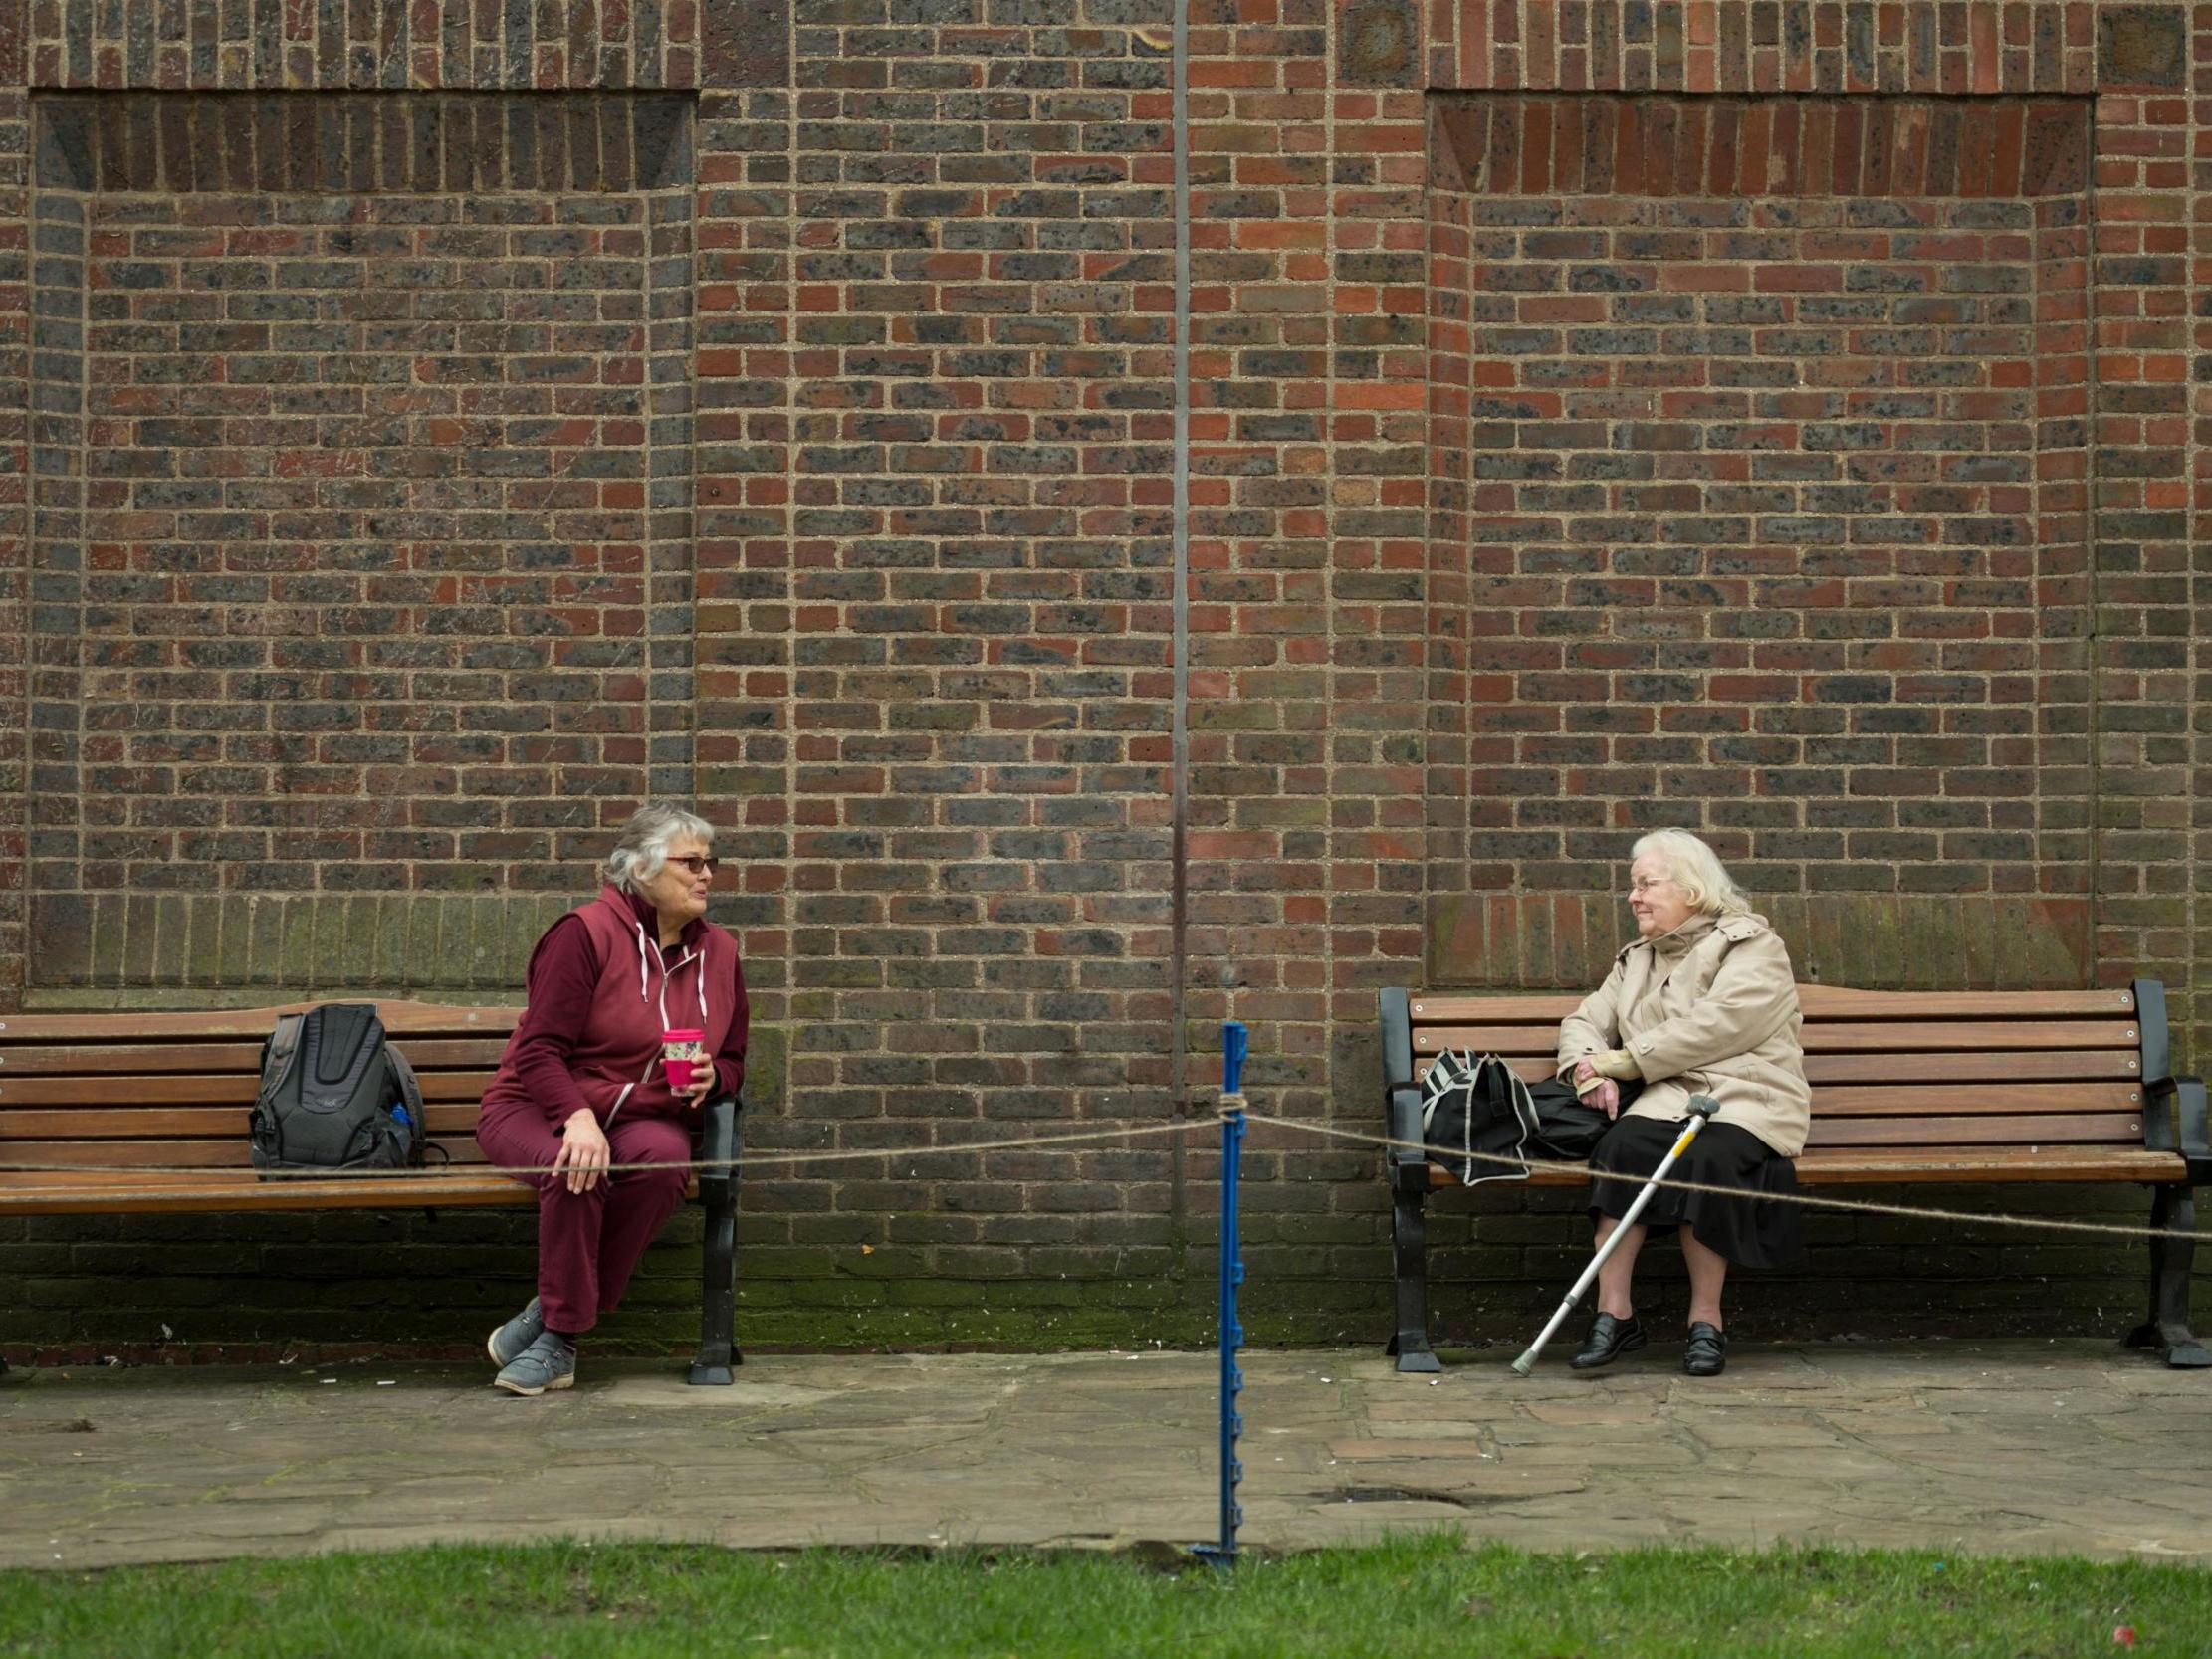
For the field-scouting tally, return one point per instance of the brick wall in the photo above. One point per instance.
(430, 427)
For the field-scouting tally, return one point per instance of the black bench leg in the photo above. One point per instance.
(718, 1191)
(1410, 1259)
(2173, 1209)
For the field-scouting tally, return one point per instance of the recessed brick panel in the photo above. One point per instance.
(360, 503)
(1766, 490)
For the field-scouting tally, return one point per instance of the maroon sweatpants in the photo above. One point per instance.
(589, 1243)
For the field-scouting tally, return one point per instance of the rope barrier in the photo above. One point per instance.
(752, 1162)
(1809, 1200)
(748, 1161)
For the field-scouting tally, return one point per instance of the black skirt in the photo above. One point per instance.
(1747, 1231)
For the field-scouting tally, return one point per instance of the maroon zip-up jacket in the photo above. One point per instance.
(601, 990)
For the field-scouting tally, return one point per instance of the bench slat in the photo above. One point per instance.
(126, 1093)
(1842, 1037)
(92, 1123)
(231, 1154)
(2051, 1128)
(1917, 1100)
(1819, 1002)
(80, 1058)
(1874, 1167)
(2001, 1164)
(401, 1019)
(76, 1195)
(2048, 1066)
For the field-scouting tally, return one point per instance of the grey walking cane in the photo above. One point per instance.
(1701, 1107)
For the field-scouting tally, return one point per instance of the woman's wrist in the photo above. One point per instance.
(582, 1115)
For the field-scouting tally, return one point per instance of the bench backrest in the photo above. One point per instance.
(1906, 1071)
(148, 1090)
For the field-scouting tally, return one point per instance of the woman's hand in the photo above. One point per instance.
(584, 1153)
(702, 1085)
(1606, 1096)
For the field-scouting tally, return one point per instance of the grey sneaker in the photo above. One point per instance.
(508, 1342)
(549, 1363)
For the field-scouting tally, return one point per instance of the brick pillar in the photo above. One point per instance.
(745, 319)
(15, 459)
(936, 309)
(2139, 464)
(2200, 527)
(1381, 395)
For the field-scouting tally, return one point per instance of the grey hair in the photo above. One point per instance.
(1696, 870)
(637, 858)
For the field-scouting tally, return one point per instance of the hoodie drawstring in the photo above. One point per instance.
(645, 982)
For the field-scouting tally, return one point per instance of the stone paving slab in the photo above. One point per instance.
(2003, 1447)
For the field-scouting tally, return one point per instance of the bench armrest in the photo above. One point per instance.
(718, 1143)
(1401, 1097)
(2175, 1121)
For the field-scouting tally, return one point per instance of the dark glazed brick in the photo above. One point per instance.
(2141, 47)
(746, 46)
(1379, 43)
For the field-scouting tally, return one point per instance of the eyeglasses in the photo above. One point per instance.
(1651, 881)
(698, 866)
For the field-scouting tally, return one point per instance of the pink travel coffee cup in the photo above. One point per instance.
(680, 1052)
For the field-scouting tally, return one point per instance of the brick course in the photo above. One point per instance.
(426, 428)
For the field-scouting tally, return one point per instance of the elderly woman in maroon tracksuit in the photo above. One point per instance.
(582, 1086)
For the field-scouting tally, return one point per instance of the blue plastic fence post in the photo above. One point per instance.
(1235, 1040)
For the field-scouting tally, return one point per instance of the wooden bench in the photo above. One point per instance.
(1959, 1088)
(151, 1108)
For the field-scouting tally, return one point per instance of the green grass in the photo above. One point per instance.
(1427, 1595)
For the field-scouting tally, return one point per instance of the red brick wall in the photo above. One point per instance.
(1763, 414)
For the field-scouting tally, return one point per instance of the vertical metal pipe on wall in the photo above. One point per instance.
(1179, 782)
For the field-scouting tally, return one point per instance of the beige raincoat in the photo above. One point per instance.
(1708, 1009)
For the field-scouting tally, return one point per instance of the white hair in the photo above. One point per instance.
(1696, 870)
(637, 858)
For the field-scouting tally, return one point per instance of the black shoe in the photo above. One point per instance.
(1609, 1339)
(1707, 1353)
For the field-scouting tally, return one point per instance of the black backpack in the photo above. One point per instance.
(334, 1096)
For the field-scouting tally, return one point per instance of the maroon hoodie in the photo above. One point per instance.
(602, 991)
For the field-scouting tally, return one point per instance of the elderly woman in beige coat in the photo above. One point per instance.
(1703, 1002)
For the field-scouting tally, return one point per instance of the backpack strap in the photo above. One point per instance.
(277, 1052)
(263, 1127)
(410, 1096)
